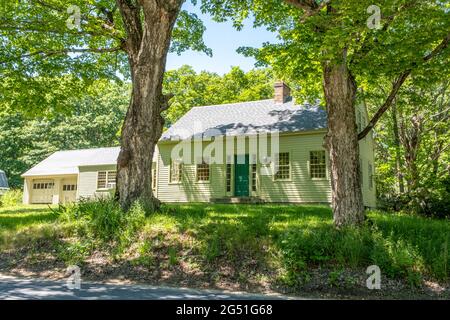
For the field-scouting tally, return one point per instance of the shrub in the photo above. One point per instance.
(11, 198)
(431, 200)
(103, 219)
(398, 254)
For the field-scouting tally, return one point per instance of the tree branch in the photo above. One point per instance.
(165, 101)
(310, 7)
(46, 54)
(306, 5)
(397, 85)
(366, 45)
(133, 25)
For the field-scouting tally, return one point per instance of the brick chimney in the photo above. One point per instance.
(282, 92)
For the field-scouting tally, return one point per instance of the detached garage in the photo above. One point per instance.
(67, 176)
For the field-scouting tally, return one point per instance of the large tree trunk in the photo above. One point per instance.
(147, 47)
(342, 143)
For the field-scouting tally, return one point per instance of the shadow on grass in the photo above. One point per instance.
(203, 243)
(16, 218)
(297, 238)
(235, 242)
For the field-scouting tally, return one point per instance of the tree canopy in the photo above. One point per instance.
(410, 34)
(95, 119)
(44, 47)
(207, 88)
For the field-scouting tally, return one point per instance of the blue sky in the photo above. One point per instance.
(223, 39)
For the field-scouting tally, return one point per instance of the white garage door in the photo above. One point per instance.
(42, 191)
(69, 191)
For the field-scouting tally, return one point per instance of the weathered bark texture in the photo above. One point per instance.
(147, 45)
(342, 143)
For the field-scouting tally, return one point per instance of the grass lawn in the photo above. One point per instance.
(19, 217)
(245, 246)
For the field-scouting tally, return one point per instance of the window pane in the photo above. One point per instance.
(112, 177)
(228, 177)
(282, 166)
(154, 179)
(101, 181)
(253, 177)
(317, 164)
(203, 172)
(175, 171)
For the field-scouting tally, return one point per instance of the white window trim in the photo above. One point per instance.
(254, 192)
(231, 192)
(170, 174)
(196, 174)
(107, 176)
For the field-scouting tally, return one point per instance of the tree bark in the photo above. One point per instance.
(342, 143)
(147, 46)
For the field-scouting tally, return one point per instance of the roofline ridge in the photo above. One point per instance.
(232, 103)
(84, 149)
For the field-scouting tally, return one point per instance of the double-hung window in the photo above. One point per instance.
(106, 180)
(317, 164)
(282, 166)
(203, 171)
(176, 171)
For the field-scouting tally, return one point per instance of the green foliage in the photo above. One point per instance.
(95, 119)
(282, 241)
(303, 237)
(308, 42)
(103, 219)
(399, 255)
(92, 121)
(412, 148)
(44, 62)
(206, 88)
(11, 198)
(74, 253)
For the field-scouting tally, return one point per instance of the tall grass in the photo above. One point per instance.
(287, 240)
(11, 198)
(298, 238)
(104, 218)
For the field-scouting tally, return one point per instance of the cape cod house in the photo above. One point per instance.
(268, 150)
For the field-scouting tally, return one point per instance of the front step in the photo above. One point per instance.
(249, 200)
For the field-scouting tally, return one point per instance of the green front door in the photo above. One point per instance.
(241, 176)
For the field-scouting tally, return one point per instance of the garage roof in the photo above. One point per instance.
(68, 162)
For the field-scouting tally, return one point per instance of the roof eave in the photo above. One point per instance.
(281, 133)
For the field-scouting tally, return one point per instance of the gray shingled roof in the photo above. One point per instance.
(67, 162)
(246, 118)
